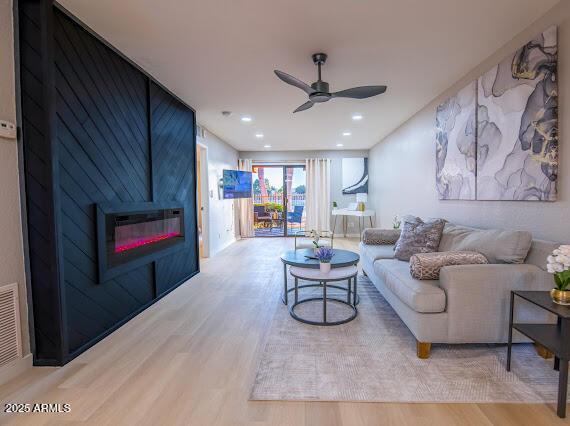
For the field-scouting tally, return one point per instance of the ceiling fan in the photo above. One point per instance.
(319, 91)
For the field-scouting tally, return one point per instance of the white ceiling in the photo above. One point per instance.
(220, 55)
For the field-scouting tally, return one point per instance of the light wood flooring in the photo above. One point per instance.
(190, 360)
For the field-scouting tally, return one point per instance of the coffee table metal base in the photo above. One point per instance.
(321, 282)
(292, 289)
(325, 323)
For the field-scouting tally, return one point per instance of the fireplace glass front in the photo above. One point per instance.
(133, 235)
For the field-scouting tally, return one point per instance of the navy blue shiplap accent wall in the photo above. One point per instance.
(96, 129)
(174, 177)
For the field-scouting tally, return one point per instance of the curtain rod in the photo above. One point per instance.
(278, 163)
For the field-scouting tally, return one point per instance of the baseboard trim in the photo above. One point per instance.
(15, 368)
(223, 247)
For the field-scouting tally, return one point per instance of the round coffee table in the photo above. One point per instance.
(305, 258)
(323, 278)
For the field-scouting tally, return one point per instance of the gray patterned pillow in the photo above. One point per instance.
(375, 236)
(418, 237)
(426, 266)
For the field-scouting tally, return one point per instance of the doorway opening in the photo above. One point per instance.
(279, 200)
(202, 200)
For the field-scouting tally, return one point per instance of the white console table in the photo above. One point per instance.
(361, 215)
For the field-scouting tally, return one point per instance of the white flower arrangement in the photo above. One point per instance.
(558, 264)
(316, 237)
(396, 222)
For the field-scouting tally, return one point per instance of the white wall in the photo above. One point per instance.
(221, 213)
(336, 157)
(11, 249)
(402, 168)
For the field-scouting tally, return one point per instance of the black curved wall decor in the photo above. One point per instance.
(97, 131)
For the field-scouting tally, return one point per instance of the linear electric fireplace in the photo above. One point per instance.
(138, 233)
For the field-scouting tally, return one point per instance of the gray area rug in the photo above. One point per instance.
(373, 358)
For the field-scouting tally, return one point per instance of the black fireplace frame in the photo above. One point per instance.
(107, 272)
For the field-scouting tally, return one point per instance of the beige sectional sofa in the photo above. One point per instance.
(469, 303)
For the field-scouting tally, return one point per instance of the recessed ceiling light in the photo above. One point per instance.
(246, 119)
(339, 145)
(346, 133)
(259, 135)
(357, 117)
(267, 146)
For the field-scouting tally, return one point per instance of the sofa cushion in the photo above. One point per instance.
(418, 237)
(421, 296)
(426, 266)
(373, 252)
(497, 245)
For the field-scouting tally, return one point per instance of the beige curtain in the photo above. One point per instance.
(317, 201)
(245, 205)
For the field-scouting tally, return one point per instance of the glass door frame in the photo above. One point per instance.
(284, 202)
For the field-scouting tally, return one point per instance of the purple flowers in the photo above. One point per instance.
(324, 254)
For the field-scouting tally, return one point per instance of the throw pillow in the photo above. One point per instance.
(375, 236)
(426, 266)
(418, 237)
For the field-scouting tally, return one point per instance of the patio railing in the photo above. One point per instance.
(294, 199)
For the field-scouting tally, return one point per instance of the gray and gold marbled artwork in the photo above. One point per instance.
(456, 145)
(517, 141)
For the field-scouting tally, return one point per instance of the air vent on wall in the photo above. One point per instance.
(10, 341)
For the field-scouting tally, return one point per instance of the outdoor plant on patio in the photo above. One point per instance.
(274, 207)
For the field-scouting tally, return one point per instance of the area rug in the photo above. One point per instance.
(373, 358)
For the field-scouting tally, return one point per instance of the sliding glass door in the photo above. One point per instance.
(278, 200)
(295, 199)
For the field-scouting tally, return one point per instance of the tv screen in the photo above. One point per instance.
(237, 184)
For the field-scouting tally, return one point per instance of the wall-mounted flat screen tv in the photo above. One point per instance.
(237, 184)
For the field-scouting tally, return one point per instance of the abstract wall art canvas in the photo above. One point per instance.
(517, 140)
(354, 175)
(456, 145)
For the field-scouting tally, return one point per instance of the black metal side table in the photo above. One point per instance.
(554, 337)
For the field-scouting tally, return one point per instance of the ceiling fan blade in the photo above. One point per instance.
(305, 106)
(289, 79)
(361, 92)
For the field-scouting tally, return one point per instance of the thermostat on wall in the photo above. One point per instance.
(7, 129)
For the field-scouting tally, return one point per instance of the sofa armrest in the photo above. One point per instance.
(378, 236)
(478, 298)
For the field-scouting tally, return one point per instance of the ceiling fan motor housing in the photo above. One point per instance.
(320, 86)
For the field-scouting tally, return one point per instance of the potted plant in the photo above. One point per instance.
(397, 222)
(334, 205)
(324, 255)
(315, 236)
(559, 266)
